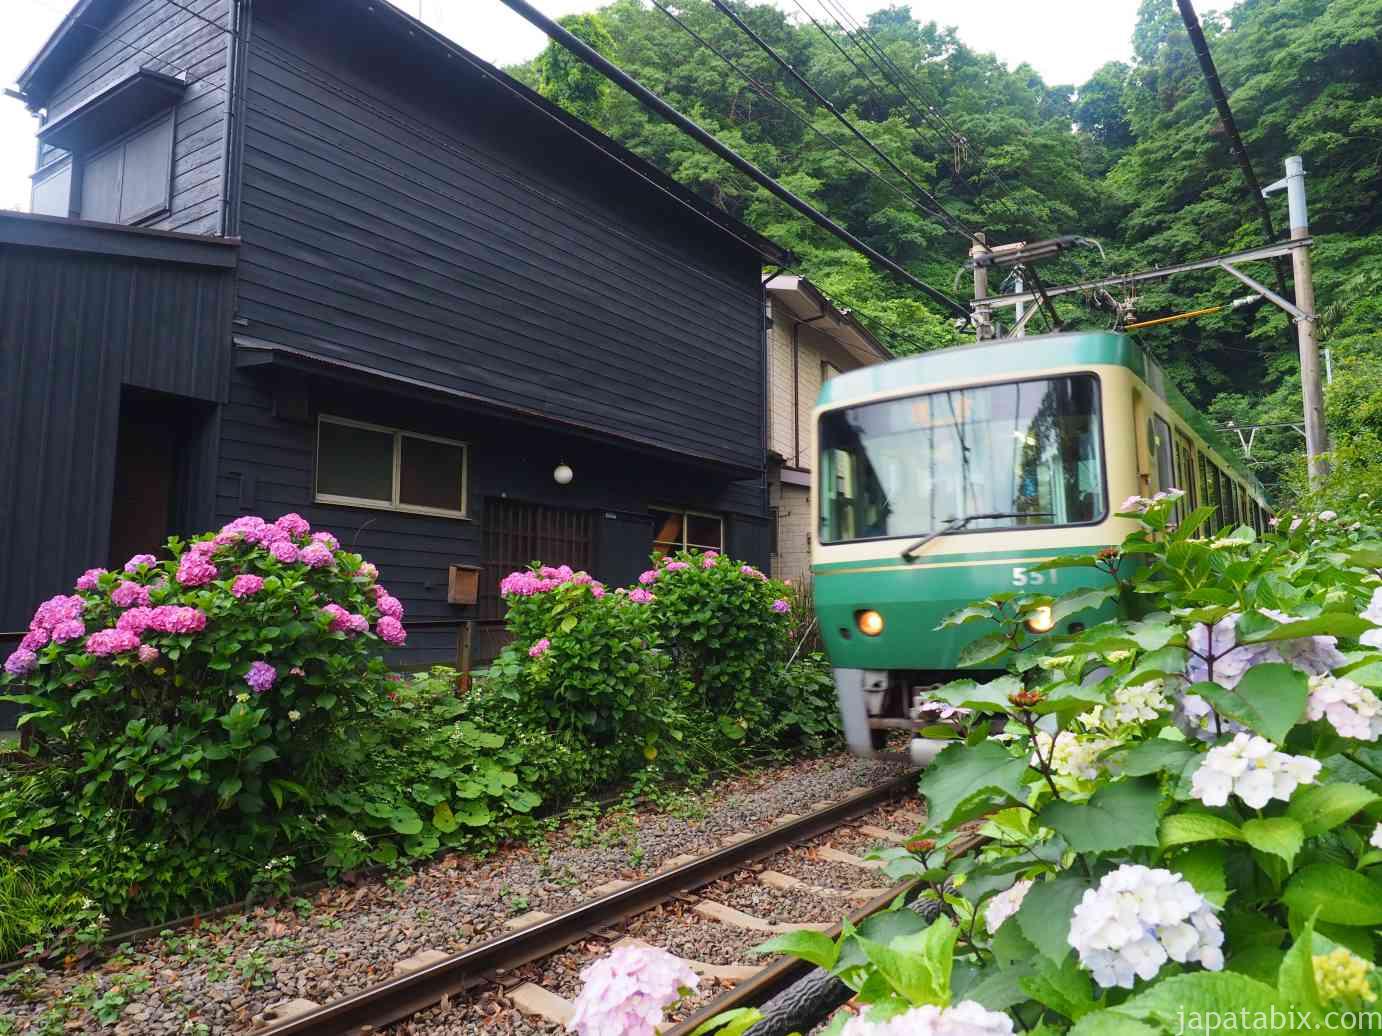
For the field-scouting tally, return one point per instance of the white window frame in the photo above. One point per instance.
(395, 504)
(686, 513)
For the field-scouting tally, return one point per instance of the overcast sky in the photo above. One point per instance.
(1065, 40)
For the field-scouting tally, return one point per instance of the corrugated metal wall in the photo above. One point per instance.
(75, 329)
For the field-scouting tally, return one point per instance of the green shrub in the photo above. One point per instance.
(425, 775)
(725, 626)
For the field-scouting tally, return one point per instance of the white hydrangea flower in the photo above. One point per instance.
(1351, 709)
(1313, 655)
(1251, 768)
(1005, 904)
(1373, 613)
(1327, 516)
(1376, 840)
(1137, 704)
(966, 1018)
(1138, 919)
(626, 992)
(1072, 755)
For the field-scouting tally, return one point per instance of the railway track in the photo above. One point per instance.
(504, 960)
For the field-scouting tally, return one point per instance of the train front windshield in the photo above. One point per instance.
(902, 467)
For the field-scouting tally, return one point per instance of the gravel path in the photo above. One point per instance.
(216, 978)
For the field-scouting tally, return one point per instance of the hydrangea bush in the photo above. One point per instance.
(1162, 824)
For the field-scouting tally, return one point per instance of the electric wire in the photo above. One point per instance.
(944, 216)
(769, 94)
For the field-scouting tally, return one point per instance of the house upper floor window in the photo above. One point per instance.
(119, 152)
(675, 530)
(367, 465)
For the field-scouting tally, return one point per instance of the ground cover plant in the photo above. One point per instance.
(221, 723)
(1179, 809)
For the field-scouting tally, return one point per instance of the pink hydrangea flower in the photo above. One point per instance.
(90, 578)
(136, 620)
(677, 566)
(261, 676)
(316, 554)
(35, 639)
(597, 589)
(111, 642)
(148, 653)
(55, 610)
(525, 584)
(649, 577)
(21, 662)
(133, 564)
(561, 574)
(69, 629)
(540, 648)
(174, 618)
(284, 552)
(327, 540)
(782, 606)
(626, 992)
(582, 579)
(294, 524)
(195, 570)
(368, 571)
(709, 558)
(390, 605)
(246, 585)
(751, 572)
(128, 594)
(391, 631)
(640, 596)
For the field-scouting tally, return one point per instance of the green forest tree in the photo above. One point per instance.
(1135, 158)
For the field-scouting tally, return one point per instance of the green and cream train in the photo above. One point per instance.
(945, 477)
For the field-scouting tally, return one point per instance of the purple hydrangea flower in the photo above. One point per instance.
(782, 606)
(195, 570)
(21, 662)
(148, 653)
(69, 629)
(174, 618)
(389, 605)
(56, 610)
(649, 577)
(133, 565)
(261, 676)
(640, 596)
(626, 992)
(327, 540)
(677, 566)
(90, 578)
(35, 639)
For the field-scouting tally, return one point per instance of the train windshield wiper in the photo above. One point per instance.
(960, 521)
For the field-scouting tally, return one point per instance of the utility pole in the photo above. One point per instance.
(1020, 309)
(983, 315)
(1312, 392)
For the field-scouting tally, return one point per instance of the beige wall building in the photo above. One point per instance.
(811, 340)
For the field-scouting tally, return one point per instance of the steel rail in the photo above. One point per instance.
(786, 971)
(402, 997)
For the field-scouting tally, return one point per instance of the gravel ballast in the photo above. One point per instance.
(216, 977)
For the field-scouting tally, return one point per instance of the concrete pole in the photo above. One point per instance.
(983, 315)
(1020, 310)
(1312, 391)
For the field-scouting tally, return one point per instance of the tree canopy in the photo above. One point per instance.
(1135, 158)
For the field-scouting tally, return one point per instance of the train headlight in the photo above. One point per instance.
(1041, 620)
(870, 623)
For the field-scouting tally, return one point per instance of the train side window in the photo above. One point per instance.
(1188, 482)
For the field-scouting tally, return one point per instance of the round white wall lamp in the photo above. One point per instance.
(562, 474)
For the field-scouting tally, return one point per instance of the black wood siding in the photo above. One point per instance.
(267, 468)
(155, 34)
(401, 213)
(74, 330)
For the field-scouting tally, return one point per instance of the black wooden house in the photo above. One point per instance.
(309, 255)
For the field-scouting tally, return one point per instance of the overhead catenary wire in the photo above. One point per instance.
(768, 93)
(941, 213)
(657, 105)
(1216, 91)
